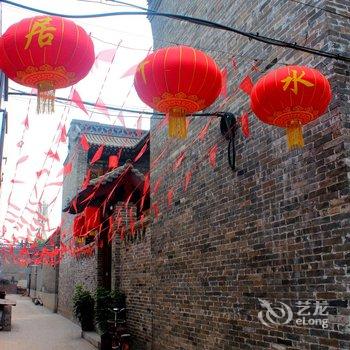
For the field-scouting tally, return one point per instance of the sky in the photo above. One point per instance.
(133, 34)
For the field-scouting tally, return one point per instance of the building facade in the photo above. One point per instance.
(237, 244)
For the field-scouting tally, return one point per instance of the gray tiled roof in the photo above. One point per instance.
(112, 141)
(112, 175)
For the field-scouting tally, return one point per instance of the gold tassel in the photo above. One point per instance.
(46, 98)
(177, 123)
(295, 136)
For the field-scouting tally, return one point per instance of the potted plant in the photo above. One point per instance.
(84, 307)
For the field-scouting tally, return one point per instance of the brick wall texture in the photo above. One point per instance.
(277, 228)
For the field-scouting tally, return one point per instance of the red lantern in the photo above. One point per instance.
(46, 53)
(79, 229)
(92, 218)
(178, 81)
(291, 97)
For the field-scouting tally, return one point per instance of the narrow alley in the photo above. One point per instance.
(36, 328)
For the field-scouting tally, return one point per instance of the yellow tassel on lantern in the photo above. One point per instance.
(177, 123)
(295, 135)
(45, 98)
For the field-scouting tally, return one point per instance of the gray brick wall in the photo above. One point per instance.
(278, 227)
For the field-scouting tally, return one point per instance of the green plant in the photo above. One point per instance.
(83, 307)
(105, 301)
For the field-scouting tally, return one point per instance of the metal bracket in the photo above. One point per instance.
(228, 127)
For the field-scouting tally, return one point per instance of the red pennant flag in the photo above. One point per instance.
(113, 161)
(63, 135)
(54, 184)
(20, 144)
(84, 143)
(131, 71)
(66, 170)
(22, 160)
(146, 184)
(212, 155)
(106, 55)
(121, 118)
(187, 179)
(224, 82)
(157, 185)
(246, 85)
(14, 181)
(26, 122)
(86, 180)
(245, 124)
(13, 206)
(41, 172)
(78, 101)
(204, 130)
(97, 156)
(155, 210)
(142, 151)
(170, 196)
(53, 155)
(99, 105)
(179, 160)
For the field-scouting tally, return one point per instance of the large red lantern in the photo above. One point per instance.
(290, 97)
(46, 53)
(178, 81)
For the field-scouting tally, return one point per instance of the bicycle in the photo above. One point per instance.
(117, 328)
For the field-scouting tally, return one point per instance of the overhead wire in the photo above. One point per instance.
(198, 21)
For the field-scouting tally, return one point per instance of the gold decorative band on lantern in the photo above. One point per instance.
(46, 97)
(295, 135)
(177, 123)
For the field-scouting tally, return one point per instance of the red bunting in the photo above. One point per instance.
(78, 101)
(179, 160)
(22, 160)
(26, 122)
(121, 119)
(142, 151)
(99, 105)
(97, 156)
(66, 170)
(131, 71)
(53, 155)
(20, 144)
(54, 184)
(170, 196)
(106, 55)
(224, 82)
(41, 172)
(84, 143)
(146, 184)
(155, 210)
(204, 130)
(63, 135)
(157, 185)
(212, 155)
(86, 180)
(14, 181)
(13, 205)
(246, 85)
(245, 124)
(187, 180)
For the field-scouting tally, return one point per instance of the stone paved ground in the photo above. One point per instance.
(36, 328)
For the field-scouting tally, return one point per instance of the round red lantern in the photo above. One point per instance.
(178, 81)
(290, 97)
(46, 53)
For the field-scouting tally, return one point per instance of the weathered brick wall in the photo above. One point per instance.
(72, 270)
(275, 229)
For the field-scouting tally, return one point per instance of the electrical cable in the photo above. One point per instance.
(198, 21)
(110, 107)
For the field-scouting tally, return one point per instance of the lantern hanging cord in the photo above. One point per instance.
(198, 21)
